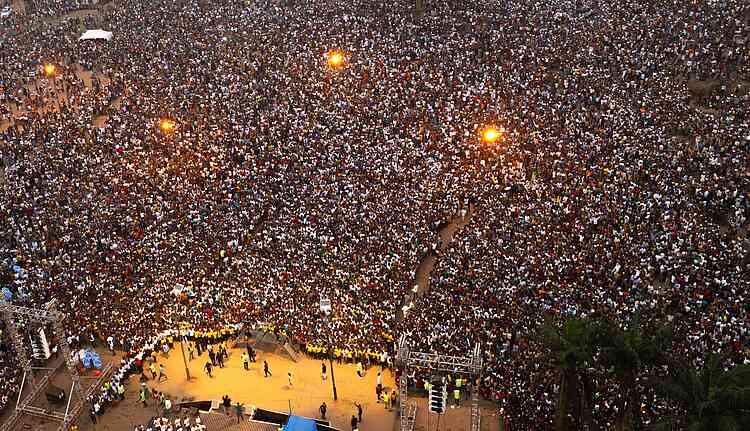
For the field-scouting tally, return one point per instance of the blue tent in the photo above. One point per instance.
(92, 359)
(298, 423)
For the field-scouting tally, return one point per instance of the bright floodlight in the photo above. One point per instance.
(166, 125)
(335, 58)
(491, 134)
(49, 69)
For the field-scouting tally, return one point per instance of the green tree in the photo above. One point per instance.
(711, 398)
(626, 352)
(571, 351)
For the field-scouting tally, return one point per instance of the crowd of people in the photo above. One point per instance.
(288, 179)
(167, 424)
(9, 375)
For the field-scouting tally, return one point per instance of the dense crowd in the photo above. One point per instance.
(167, 424)
(287, 179)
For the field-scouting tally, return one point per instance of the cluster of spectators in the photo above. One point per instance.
(288, 179)
(178, 424)
(9, 375)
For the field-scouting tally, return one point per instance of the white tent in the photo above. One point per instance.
(96, 34)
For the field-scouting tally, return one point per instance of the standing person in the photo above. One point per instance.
(226, 404)
(209, 366)
(152, 368)
(162, 373)
(359, 411)
(220, 358)
(354, 423)
(289, 377)
(379, 380)
(386, 400)
(111, 344)
(266, 372)
(212, 356)
(245, 361)
(323, 370)
(378, 392)
(457, 397)
(238, 411)
(191, 350)
(360, 370)
(142, 397)
(323, 408)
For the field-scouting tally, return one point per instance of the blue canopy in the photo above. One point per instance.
(298, 423)
(92, 359)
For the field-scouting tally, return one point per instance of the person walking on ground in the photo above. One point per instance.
(289, 377)
(212, 356)
(152, 368)
(386, 401)
(457, 397)
(360, 370)
(323, 408)
(323, 370)
(238, 411)
(379, 380)
(378, 392)
(191, 349)
(209, 366)
(359, 411)
(245, 361)
(162, 373)
(226, 404)
(266, 372)
(354, 423)
(142, 397)
(111, 345)
(220, 358)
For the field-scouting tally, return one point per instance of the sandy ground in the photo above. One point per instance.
(307, 392)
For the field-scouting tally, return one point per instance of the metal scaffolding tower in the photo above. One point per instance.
(11, 315)
(407, 359)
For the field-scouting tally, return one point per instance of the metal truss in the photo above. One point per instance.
(476, 416)
(11, 314)
(467, 365)
(445, 364)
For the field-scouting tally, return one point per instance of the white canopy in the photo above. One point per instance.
(96, 34)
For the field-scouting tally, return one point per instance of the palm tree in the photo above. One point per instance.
(627, 352)
(571, 352)
(712, 398)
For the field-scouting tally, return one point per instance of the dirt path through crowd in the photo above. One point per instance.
(446, 234)
(425, 267)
